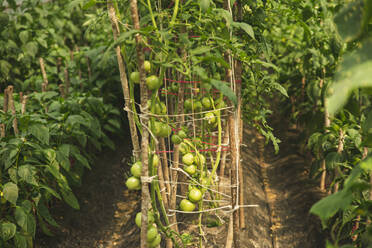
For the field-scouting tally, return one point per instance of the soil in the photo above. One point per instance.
(278, 184)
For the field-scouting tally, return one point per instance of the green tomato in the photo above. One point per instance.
(184, 148)
(156, 128)
(200, 159)
(135, 77)
(188, 159)
(195, 195)
(176, 139)
(211, 119)
(155, 242)
(187, 206)
(198, 106)
(153, 82)
(175, 87)
(206, 101)
(136, 169)
(147, 65)
(191, 169)
(166, 130)
(182, 134)
(155, 160)
(150, 218)
(152, 232)
(187, 104)
(133, 183)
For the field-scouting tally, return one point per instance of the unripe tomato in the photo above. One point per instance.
(135, 77)
(152, 232)
(133, 183)
(182, 134)
(200, 159)
(187, 104)
(220, 104)
(156, 128)
(203, 181)
(207, 104)
(155, 242)
(176, 139)
(191, 169)
(184, 148)
(147, 65)
(188, 159)
(150, 218)
(166, 130)
(198, 106)
(152, 82)
(175, 87)
(136, 169)
(211, 119)
(187, 206)
(195, 195)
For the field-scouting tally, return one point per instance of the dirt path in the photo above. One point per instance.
(279, 184)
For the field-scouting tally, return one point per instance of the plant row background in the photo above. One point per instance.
(314, 56)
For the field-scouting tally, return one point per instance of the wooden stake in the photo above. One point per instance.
(340, 148)
(43, 72)
(234, 177)
(163, 188)
(12, 109)
(124, 82)
(144, 119)
(165, 167)
(23, 104)
(5, 109)
(327, 123)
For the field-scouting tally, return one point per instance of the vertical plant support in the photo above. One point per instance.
(44, 86)
(144, 120)
(327, 123)
(124, 82)
(12, 109)
(340, 148)
(5, 109)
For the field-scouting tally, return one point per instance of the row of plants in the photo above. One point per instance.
(193, 62)
(65, 106)
(321, 50)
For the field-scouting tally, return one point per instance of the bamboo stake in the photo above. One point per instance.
(144, 119)
(62, 90)
(163, 188)
(340, 148)
(327, 123)
(165, 167)
(124, 82)
(224, 152)
(67, 81)
(234, 178)
(5, 109)
(23, 104)
(12, 109)
(43, 72)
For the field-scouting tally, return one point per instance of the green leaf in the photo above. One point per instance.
(330, 205)
(266, 64)
(204, 5)
(40, 132)
(20, 241)
(75, 119)
(200, 50)
(11, 158)
(5, 67)
(27, 206)
(89, 4)
(352, 19)
(20, 217)
(246, 27)
(354, 72)
(11, 192)
(279, 88)
(333, 159)
(43, 211)
(8, 230)
(23, 36)
(51, 191)
(31, 48)
(70, 198)
(82, 160)
(225, 90)
(26, 173)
